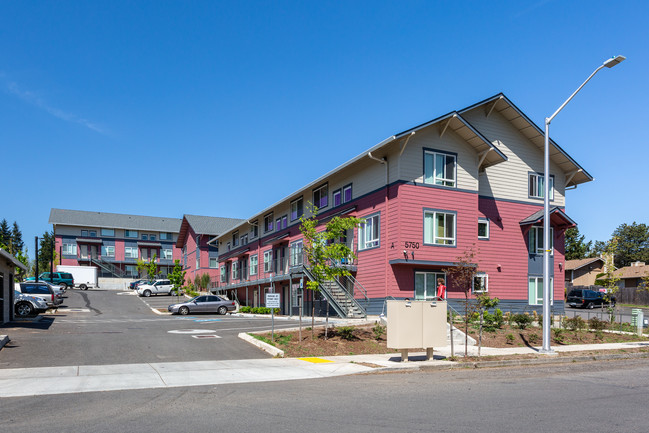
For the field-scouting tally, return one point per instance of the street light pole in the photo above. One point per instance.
(546, 208)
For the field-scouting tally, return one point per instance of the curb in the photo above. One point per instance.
(272, 350)
(4, 339)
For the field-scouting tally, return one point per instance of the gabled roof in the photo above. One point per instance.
(204, 225)
(637, 271)
(557, 217)
(11, 260)
(575, 173)
(83, 218)
(573, 265)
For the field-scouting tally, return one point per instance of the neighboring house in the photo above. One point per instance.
(114, 242)
(583, 272)
(199, 255)
(631, 276)
(8, 265)
(472, 178)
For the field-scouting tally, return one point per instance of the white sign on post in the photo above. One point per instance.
(272, 300)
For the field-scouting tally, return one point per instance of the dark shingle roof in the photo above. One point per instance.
(205, 225)
(113, 220)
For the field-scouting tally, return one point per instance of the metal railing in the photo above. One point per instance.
(343, 310)
(356, 288)
(109, 267)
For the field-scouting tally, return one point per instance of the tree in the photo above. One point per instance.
(322, 252)
(177, 277)
(485, 302)
(633, 244)
(5, 234)
(608, 278)
(461, 274)
(46, 253)
(576, 248)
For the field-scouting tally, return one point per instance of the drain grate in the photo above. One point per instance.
(206, 336)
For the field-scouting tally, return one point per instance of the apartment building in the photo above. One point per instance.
(470, 180)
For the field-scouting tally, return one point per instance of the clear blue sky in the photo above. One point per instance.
(222, 108)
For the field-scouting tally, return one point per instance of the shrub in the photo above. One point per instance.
(499, 320)
(245, 309)
(533, 338)
(522, 320)
(378, 330)
(576, 323)
(510, 338)
(596, 324)
(558, 334)
(346, 332)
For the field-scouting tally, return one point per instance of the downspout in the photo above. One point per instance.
(384, 161)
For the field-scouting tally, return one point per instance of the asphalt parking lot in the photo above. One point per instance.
(97, 327)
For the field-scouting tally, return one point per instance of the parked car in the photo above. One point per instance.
(63, 279)
(40, 290)
(585, 298)
(58, 290)
(134, 284)
(156, 287)
(203, 304)
(25, 305)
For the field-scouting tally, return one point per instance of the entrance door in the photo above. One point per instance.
(426, 285)
(255, 299)
(93, 251)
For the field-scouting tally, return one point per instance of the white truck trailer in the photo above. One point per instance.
(85, 277)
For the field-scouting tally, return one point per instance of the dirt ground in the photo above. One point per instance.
(364, 340)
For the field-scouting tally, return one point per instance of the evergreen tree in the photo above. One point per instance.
(46, 252)
(5, 234)
(633, 244)
(576, 248)
(17, 243)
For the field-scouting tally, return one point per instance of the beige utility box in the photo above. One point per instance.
(416, 325)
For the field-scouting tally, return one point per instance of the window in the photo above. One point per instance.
(296, 253)
(235, 239)
(284, 221)
(244, 239)
(535, 290)
(166, 237)
(108, 232)
(224, 275)
(337, 197)
(145, 237)
(347, 193)
(92, 233)
(483, 228)
(369, 232)
(480, 283)
(84, 233)
(130, 233)
(537, 189)
(130, 252)
(69, 249)
(281, 223)
(152, 237)
(536, 240)
(235, 270)
(108, 250)
(131, 271)
(297, 209)
(253, 265)
(268, 260)
(439, 168)
(426, 285)
(321, 196)
(254, 229)
(268, 223)
(214, 262)
(439, 228)
(167, 254)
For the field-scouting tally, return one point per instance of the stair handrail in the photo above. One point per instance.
(351, 297)
(339, 309)
(108, 267)
(363, 292)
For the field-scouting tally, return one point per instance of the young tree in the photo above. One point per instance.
(322, 252)
(633, 244)
(576, 248)
(150, 267)
(461, 275)
(609, 278)
(177, 277)
(485, 302)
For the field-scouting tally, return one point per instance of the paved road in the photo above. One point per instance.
(588, 397)
(106, 327)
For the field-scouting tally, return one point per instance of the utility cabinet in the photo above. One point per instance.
(416, 325)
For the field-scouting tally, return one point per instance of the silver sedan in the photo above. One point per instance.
(203, 304)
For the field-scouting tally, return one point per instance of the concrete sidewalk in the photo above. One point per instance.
(20, 382)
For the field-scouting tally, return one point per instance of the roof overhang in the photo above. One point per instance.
(149, 244)
(11, 260)
(428, 263)
(182, 235)
(277, 239)
(89, 241)
(575, 173)
(558, 218)
(231, 254)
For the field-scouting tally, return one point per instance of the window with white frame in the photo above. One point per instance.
(69, 249)
(166, 237)
(223, 273)
(268, 222)
(108, 250)
(108, 232)
(321, 196)
(536, 240)
(254, 229)
(296, 253)
(130, 233)
(537, 188)
(426, 285)
(167, 254)
(268, 260)
(439, 227)
(347, 193)
(439, 168)
(214, 262)
(480, 283)
(244, 239)
(535, 290)
(369, 232)
(235, 239)
(254, 264)
(483, 228)
(130, 252)
(337, 197)
(297, 209)
(235, 270)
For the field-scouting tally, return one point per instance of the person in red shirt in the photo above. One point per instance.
(441, 289)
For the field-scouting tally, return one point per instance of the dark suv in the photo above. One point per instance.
(63, 279)
(585, 298)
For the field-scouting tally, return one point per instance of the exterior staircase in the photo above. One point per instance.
(340, 299)
(109, 267)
